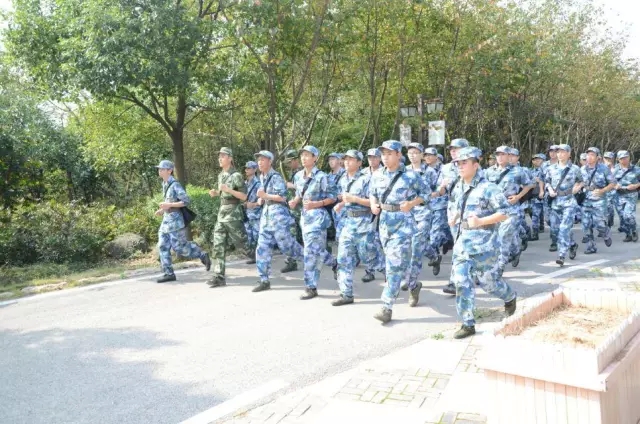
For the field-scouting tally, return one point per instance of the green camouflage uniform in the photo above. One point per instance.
(230, 222)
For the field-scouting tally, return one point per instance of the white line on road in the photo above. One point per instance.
(240, 401)
(546, 277)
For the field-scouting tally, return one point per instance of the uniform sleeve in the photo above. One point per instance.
(498, 201)
(237, 183)
(579, 178)
(366, 185)
(277, 186)
(423, 190)
(608, 176)
(297, 178)
(324, 187)
(180, 193)
(526, 177)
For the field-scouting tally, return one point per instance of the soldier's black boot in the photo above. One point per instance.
(309, 294)
(634, 236)
(510, 307)
(628, 238)
(206, 261)
(553, 247)
(368, 277)
(252, 257)
(383, 315)
(449, 289)
(289, 266)
(217, 281)
(166, 277)
(414, 295)
(262, 286)
(342, 300)
(465, 331)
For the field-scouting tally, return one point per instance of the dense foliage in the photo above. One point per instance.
(93, 93)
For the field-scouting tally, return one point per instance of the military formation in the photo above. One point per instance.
(390, 215)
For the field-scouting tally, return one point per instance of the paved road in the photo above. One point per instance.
(139, 352)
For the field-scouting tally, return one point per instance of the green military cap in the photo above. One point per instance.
(291, 154)
(226, 151)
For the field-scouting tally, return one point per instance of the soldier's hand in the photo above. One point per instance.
(224, 188)
(213, 192)
(338, 207)
(292, 204)
(405, 206)
(512, 199)
(165, 206)
(435, 194)
(291, 186)
(375, 209)
(159, 212)
(261, 193)
(260, 201)
(552, 193)
(473, 221)
(348, 198)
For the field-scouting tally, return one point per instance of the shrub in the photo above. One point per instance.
(125, 246)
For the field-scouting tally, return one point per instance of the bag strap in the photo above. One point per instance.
(435, 184)
(562, 177)
(592, 175)
(255, 184)
(631, 168)
(350, 184)
(386, 193)
(504, 174)
(306, 184)
(462, 208)
(167, 189)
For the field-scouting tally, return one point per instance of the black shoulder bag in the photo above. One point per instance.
(187, 214)
(624, 190)
(245, 217)
(581, 196)
(562, 177)
(383, 198)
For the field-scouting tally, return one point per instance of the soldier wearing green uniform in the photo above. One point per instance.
(230, 222)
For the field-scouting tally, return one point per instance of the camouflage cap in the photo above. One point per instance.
(503, 149)
(609, 155)
(251, 164)
(583, 156)
(374, 152)
(623, 154)
(311, 149)
(418, 146)
(394, 145)
(458, 143)
(515, 152)
(430, 151)
(291, 154)
(354, 154)
(468, 153)
(165, 164)
(539, 156)
(264, 153)
(440, 157)
(564, 147)
(594, 150)
(227, 151)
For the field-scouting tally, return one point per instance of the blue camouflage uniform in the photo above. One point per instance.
(357, 236)
(562, 210)
(612, 196)
(626, 200)
(545, 168)
(422, 216)
(537, 204)
(379, 262)
(314, 222)
(509, 230)
(475, 253)
(594, 209)
(275, 224)
(334, 180)
(252, 225)
(396, 227)
(439, 229)
(524, 229)
(172, 233)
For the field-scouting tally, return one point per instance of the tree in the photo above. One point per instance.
(164, 57)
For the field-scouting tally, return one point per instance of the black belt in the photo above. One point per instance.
(390, 208)
(358, 214)
(224, 202)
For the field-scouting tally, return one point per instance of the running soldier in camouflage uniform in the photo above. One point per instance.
(395, 191)
(357, 236)
(253, 210)
(478, 206)
(292, 161)
(230, 222)
(275, 221)
(374, 158)
(173, 233)
(627, 179)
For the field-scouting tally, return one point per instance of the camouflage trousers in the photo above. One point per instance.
(315, 254)
(419, 241)
(176, 240)
(594, 217)
(397, 251)
(378, 262)
(269, 239)
(561, 219)
(537, 215)
(509, 237)
(351, 246)
(439, 233)
(627, 211)
(483, 268)
(224, 232)
(252, 227)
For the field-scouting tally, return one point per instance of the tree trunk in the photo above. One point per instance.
(177, 139)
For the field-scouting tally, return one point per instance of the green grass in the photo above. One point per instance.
(437, 336)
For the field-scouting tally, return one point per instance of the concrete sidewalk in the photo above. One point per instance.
(433, 381)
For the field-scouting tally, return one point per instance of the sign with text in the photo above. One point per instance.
(436, 133)
(405, 134)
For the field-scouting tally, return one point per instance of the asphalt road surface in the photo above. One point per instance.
(139, 352)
